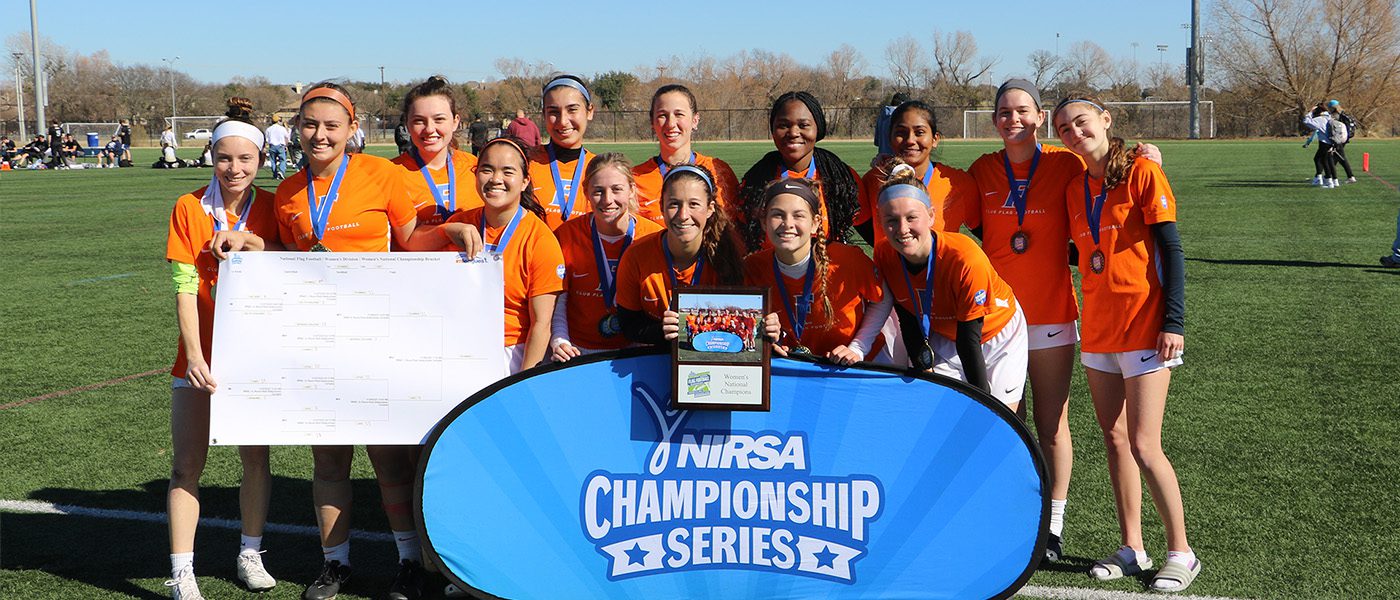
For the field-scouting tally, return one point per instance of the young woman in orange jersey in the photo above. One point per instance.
(1133, 275)
(698, 247)
(556, 168)
(959, 318)
(585, 315)
(674, 118)
(345, 203)
(828, 296)
(797, 124)
(230, 214)
(512, 226)
(913, 137)
(441, 178)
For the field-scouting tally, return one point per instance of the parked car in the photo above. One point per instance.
(199, 134)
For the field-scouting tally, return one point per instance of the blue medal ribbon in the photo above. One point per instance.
(671, 266)
(447, 206)
(607, 273)
(1093, 209)
(504, 241)
(665, 168)
(321, 212)
(925, 298)
(564, 201)
(1018, 198)
(798, 317)
(242, 222)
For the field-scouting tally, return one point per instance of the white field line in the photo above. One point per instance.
(48, 508)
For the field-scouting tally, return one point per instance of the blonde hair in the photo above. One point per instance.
(618, 161)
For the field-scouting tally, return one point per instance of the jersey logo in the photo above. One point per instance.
(1163, 200)
(559, 270)
(980, 297)
(1020, 189)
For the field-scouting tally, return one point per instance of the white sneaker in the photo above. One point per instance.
(1317, 180)
(1334, 183)
(1351, 180)
(252, 573)
(184, 586)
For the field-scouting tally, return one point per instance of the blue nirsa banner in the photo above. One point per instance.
(578, 482)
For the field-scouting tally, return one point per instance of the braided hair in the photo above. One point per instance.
(841, 191)
(819, 241)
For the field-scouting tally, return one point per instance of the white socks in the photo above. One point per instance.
(248, 544)
(180, 562)
(340, 552)
(1185, 558)
(407, 542)
(1057, 516)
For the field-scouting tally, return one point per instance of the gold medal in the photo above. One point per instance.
(1096, 261)
(319, 247)
(610, 325)
(800, 349)
(1020, 242)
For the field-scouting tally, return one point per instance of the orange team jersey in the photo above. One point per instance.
(1040, 276)
(1124, 306)
(586, 307)
(965, 286)
(851, 282)
(542, 180)
(649, 179)
(187, 242)
(642, 282)
(464, 167)
(950, 189)
(372, 198)
(534, 266)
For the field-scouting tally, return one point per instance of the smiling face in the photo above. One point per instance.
(673, 120)
(325, 128)
(794, 132)
(236, 162)
(907, 223)
(912, 137)
(687, 209)
(1017, 118)
(789, 223)
(431, 124)
(500, 176)
(1083, 129)
(612, 193)
(566, 116)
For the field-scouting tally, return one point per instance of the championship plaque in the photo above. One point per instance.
(720, 356)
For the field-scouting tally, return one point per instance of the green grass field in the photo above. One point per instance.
(1282, 424)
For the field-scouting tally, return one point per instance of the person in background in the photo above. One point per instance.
(1323, 159)
(357, 142)
(1393, 259)
(523, 129)
(402, 139)
(7, 149)
(277, 138)
(56, 143)
(1339, 142)
(124, 132)
(882, 129)
(478, 132)
(167, 138)
(110, 156)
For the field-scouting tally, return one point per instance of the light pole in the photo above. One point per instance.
(170, 68)
(40, 94)
(384, 99)
(19, 98)
(1057, 44)
(1161, 54)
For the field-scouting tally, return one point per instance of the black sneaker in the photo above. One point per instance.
(1053, 548)
(327, 585)
(408, 584)
(1391, 261)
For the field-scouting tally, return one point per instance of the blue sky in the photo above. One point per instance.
(308, 41)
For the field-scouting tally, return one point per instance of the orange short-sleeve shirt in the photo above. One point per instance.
(187, 242)
(965, 286)
(951, 190)
(463, 167)
(642, 282)
(542, 180)
(584, 284)
(1124, 306)
(1040, 276)
(372, 198)
(534, 266)
(851, 282)
(649, 177)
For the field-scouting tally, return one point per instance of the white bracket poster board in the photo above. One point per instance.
(350, 348)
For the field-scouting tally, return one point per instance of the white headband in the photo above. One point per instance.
(233, 128)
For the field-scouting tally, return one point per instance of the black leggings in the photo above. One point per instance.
(1323, 160)
(1339, 157)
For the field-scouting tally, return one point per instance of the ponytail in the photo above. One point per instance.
(1120, 161)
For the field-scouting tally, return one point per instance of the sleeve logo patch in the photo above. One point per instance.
(980, 297)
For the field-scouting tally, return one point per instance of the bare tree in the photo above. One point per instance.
(956, 59)
(1087, 65)
(1046, 68)
(904, 57)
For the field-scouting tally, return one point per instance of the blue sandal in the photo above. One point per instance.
(1120, 564)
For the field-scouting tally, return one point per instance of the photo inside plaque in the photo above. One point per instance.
(721, 328)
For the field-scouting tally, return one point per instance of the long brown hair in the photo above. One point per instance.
(434, 86)
(819, 253)
(1120, 161)
(719, 241)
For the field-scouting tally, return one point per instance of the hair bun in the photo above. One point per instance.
(901, 169)
(239, 108)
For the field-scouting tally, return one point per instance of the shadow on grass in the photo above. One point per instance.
(1258, 183)
(1265, 262)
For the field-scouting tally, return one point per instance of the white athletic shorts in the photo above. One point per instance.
(1128, 364)
(515, 357)
(1005, 355)
(1054, 335)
